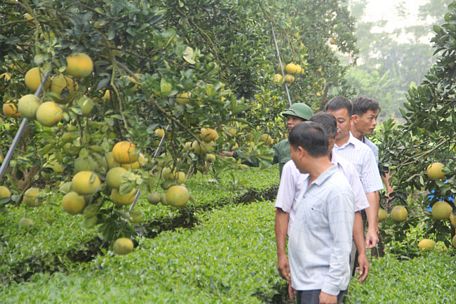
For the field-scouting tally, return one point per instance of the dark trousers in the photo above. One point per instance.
(313, 296)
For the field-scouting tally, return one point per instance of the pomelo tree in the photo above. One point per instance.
(421, 152)
(179, 80)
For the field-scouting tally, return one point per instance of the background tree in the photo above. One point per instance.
(401, 57)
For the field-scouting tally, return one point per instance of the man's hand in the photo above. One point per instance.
(283, 267)
(291, 292)
(363, 268)
(371, 238)
(326, 298)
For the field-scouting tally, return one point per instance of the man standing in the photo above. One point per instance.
(364, 121)
(291, 187)
(298, 112)
(320, 236)
(362, 158)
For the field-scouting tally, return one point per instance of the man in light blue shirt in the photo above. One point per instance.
(320, 236)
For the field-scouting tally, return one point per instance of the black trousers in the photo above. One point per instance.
(313, 296)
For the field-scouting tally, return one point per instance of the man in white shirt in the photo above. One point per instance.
(320, 235)
(364, 121)
(292, 186)
(362, 158)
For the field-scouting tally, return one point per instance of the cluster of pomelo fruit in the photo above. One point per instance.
(441, 210)
(123, 158)
(60, 89)
(97, 175)
(291, 70)
(205, 145)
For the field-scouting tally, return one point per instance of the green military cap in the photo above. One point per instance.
(300, 110)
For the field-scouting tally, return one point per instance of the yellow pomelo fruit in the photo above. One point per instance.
(62, 85)
(79, 65)
(28, 105)
(453, 219)
(49, 113)
(124, 152)
(187, 146)
(435, 171)
(177, 196)
(181, 178)
(122, 246)
(399, 214)
(73, 203)
(183, 98)
(441, 210)
(10, 110)
(114, 177)
(159, 132)
(382, 214)
(208, 134)
(30, 197)
(277, 78)
(154, 198)
(197, 147)
(4, 192)
(453, 241)
(33, 79)
(167, 173)
(292, 68)
(85, 183)
(123, 199)
(426, 244)
(289, 78)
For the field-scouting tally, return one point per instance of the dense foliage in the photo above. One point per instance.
(428, 132)
(229, 257)
(56, 241)
(390, 281)
(146, 54)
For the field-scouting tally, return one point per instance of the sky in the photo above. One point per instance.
(377, 10)
(386, 10)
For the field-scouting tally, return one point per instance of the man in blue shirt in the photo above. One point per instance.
(320, 237)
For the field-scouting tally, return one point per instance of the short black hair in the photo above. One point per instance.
(328, 122)
(363, 104)
(311, 137)
(339, 102)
